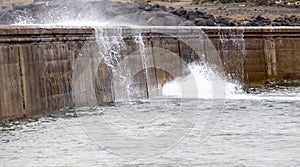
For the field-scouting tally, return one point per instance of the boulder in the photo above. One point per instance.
(200, 22)
(222, 21)
(210, 22)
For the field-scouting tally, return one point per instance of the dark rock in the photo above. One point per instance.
(210, 22)
(180, 12)
(222, 20)
(192, 17)
(209, 16)
(260, 18)
(276, 24)
(155, 7)
(171, 9)
(163, 8)
(200, 14)
(148, 7)
(234, 23)
(200, 22)
(190, 13)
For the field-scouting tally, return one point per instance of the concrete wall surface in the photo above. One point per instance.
(45, 68)
(270, 54)
(36, 65)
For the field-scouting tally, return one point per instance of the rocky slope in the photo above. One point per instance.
(144, 13)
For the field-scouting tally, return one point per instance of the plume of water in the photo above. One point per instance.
(112, 47)
(138, 38)
(202, 82)
(110, 43)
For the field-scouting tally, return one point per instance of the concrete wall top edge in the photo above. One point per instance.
(44, 30)
(48, 33)
(88, 27)
(40, 33)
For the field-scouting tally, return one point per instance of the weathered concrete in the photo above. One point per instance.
(270, 54)
(44, 68)
(36, 68)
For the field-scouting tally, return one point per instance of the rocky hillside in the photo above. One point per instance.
(146, 13)
(279, 3)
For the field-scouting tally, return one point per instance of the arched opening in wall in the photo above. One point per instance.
(149, 82)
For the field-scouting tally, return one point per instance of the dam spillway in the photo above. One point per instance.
(45, 68)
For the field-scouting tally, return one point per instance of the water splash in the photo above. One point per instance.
(119, 58)
(138, 38)
(111, 44)
(202, 82)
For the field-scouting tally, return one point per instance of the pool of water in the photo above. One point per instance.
(261, 128)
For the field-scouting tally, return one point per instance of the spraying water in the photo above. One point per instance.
(202, 82)
(213, 77)
(138, 38)
(203, 79)
(110, 43)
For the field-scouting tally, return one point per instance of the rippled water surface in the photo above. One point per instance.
(255, 129)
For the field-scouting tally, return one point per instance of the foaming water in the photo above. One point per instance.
(202, 82)
(270, 93)
(263, 97)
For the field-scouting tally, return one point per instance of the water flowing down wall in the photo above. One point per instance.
(45, 68)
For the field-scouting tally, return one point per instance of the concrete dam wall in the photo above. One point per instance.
(46, 68)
